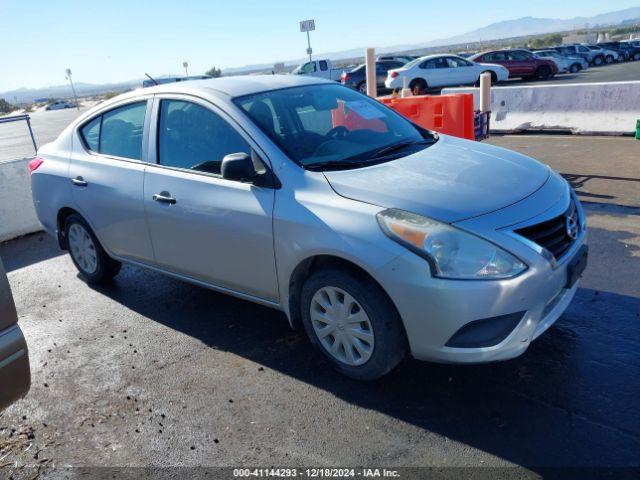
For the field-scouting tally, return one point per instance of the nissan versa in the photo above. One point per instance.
(378, 237)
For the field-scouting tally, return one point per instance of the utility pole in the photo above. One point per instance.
(68, 72)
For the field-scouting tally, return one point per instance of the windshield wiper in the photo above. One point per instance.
(383, 152)
(338, 164)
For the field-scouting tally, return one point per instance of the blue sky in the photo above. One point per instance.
(116, 40)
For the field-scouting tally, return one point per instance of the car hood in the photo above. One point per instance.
(452, 180)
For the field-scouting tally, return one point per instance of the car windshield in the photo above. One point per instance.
(332, 126)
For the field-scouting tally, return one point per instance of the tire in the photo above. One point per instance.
(93, 263)
(598, 61)
(381, 341)
(543, 73)
(608, 59)
(418, 86)
(636, 56)
(494, 78)
(574, 68)
(362, 87)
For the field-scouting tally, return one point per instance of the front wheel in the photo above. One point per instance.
(575, 68)
(362, 87)
(350, 319)
(93, 263)
(608, 59)
(543, 73)
(598, 61)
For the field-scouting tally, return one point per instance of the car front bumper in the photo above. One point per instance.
(434, 310)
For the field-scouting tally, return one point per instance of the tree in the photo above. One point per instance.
(213, 72)
(6, 107)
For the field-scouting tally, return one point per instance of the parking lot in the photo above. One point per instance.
(153, 371)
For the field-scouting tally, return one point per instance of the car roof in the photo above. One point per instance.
(235, 86)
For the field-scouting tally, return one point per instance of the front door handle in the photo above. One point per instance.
(79, 182)
(164, 197)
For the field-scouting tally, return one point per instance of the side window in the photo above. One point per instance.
(121, 132)
(583, 49)
(455, 62)
(429, 64)
(323, 65)
(309, 67)
(441, 62)
(194, 138)
(91, 134)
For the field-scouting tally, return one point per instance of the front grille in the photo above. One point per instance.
(554, 234)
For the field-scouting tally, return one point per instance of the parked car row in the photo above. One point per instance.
(420, 74)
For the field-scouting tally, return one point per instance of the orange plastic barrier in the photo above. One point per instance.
(352, 120)
(448, 114)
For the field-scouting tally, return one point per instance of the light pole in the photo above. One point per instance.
(68, 72)
(186, 66)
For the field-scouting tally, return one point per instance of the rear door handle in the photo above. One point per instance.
(79, 182)
(164, 197)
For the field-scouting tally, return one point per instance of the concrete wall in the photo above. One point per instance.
(585, 108)
(17, 215)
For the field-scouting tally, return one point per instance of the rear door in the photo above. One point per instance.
(202, 226)
(15, 375)
(107, 173)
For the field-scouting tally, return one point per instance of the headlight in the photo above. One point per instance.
(451, 252)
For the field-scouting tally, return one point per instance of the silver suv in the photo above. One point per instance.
(377, 237)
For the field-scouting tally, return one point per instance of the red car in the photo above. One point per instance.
(520, 63)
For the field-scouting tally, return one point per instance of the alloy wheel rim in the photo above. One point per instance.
(82, 248)
(342, 326)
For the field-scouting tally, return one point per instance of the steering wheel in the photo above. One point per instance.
(337, 132)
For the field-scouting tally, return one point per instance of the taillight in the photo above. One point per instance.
(393, 74)
(34, 163)
(345, 78)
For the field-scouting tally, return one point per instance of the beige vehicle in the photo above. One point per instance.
(15, 376)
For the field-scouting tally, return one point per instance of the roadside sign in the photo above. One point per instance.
(309, 51)
(307, 25)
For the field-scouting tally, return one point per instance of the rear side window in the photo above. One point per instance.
(194, 138)
(323, 65)
(117, 132)
(91, 134)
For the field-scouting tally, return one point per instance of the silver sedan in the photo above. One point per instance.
(378, 238)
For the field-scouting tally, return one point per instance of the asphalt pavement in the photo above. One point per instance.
(154, 371)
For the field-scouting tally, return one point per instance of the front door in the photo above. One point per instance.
(202, 226)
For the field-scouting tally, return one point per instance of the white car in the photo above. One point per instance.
(564, 63)
(60, 105)
(442, 71)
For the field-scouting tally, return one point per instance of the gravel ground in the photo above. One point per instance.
(153, 371)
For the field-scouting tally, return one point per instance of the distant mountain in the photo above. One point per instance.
(25, 95)
(532, 26)
(506, 29)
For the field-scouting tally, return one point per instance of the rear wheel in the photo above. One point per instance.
(418, 86)
(575, 68)
(636, 56)
(362, 87)
(598, 60)
(93, 263)
(543, 73)
(608, 59)
(494, 78)
(350, 319)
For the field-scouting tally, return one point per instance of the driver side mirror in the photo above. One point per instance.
(238, 167)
